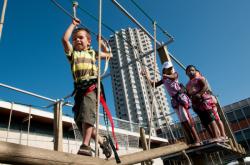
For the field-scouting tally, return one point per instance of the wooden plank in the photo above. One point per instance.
(58, 132)
(149, 154)
(204, 149)
(163, 53)
(144, 144)
(20, 154)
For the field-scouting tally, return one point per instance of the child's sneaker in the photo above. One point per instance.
(196, 144)
(106, 148)
(224, 138)
(84, 150)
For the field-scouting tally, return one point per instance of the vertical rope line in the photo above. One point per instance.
(11, 109)
(99, 76)
(2, 17)
(152, 105)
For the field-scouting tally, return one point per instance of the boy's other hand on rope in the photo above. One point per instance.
(103, 41)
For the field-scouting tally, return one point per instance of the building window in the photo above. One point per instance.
(247, 135)
(231, 118)
(247, 111)
(239, 114)
(241, 139)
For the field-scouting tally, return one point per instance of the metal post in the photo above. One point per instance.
(11, 109)
(28, 93)
(99, 77)
(29, 126)
(58, 135)
(2, 18)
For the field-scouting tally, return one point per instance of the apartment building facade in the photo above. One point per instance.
(133, 94)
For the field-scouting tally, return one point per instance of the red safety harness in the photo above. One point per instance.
(105, 107)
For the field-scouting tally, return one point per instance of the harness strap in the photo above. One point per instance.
(104, 104)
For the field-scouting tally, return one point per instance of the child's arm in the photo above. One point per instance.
(204, 85)
(106, 53)
(173, 76)
(146, 74)
(66, 37)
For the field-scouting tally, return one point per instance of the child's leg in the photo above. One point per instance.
(87, 133)
(219, 122)
(195, 134)
(187, 123)
(191, 131)
(85, 149)
(88, 107)
(192, 127)
(221, 128)
(188, 135)
(93, 135)
(214, 129)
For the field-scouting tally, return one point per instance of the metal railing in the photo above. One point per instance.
(123, 139)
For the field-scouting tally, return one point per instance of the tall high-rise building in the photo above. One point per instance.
(132, 92)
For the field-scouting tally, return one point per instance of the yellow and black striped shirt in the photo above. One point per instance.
(83, 65)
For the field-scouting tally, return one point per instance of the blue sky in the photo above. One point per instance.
(213, 35)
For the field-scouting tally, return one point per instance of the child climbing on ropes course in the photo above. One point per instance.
(204, 104)
(179, 100)
(82, 59)
(213, 102)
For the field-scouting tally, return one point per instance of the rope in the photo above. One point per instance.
(99, 77)
(93, 17)
(70, 15)
(76, 5)
(152, 105)
(150, 18)
(107, 57)
(2, 17)
(110, 29)
(106, 26)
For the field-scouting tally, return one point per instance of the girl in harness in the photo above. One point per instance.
(179, 100)
(204, 104)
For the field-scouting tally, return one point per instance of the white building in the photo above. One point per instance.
(132, 93)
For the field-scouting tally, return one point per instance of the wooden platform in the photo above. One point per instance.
(204, 149)
(20, 154)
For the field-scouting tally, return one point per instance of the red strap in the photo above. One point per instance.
(104, 104)
(90, 89)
